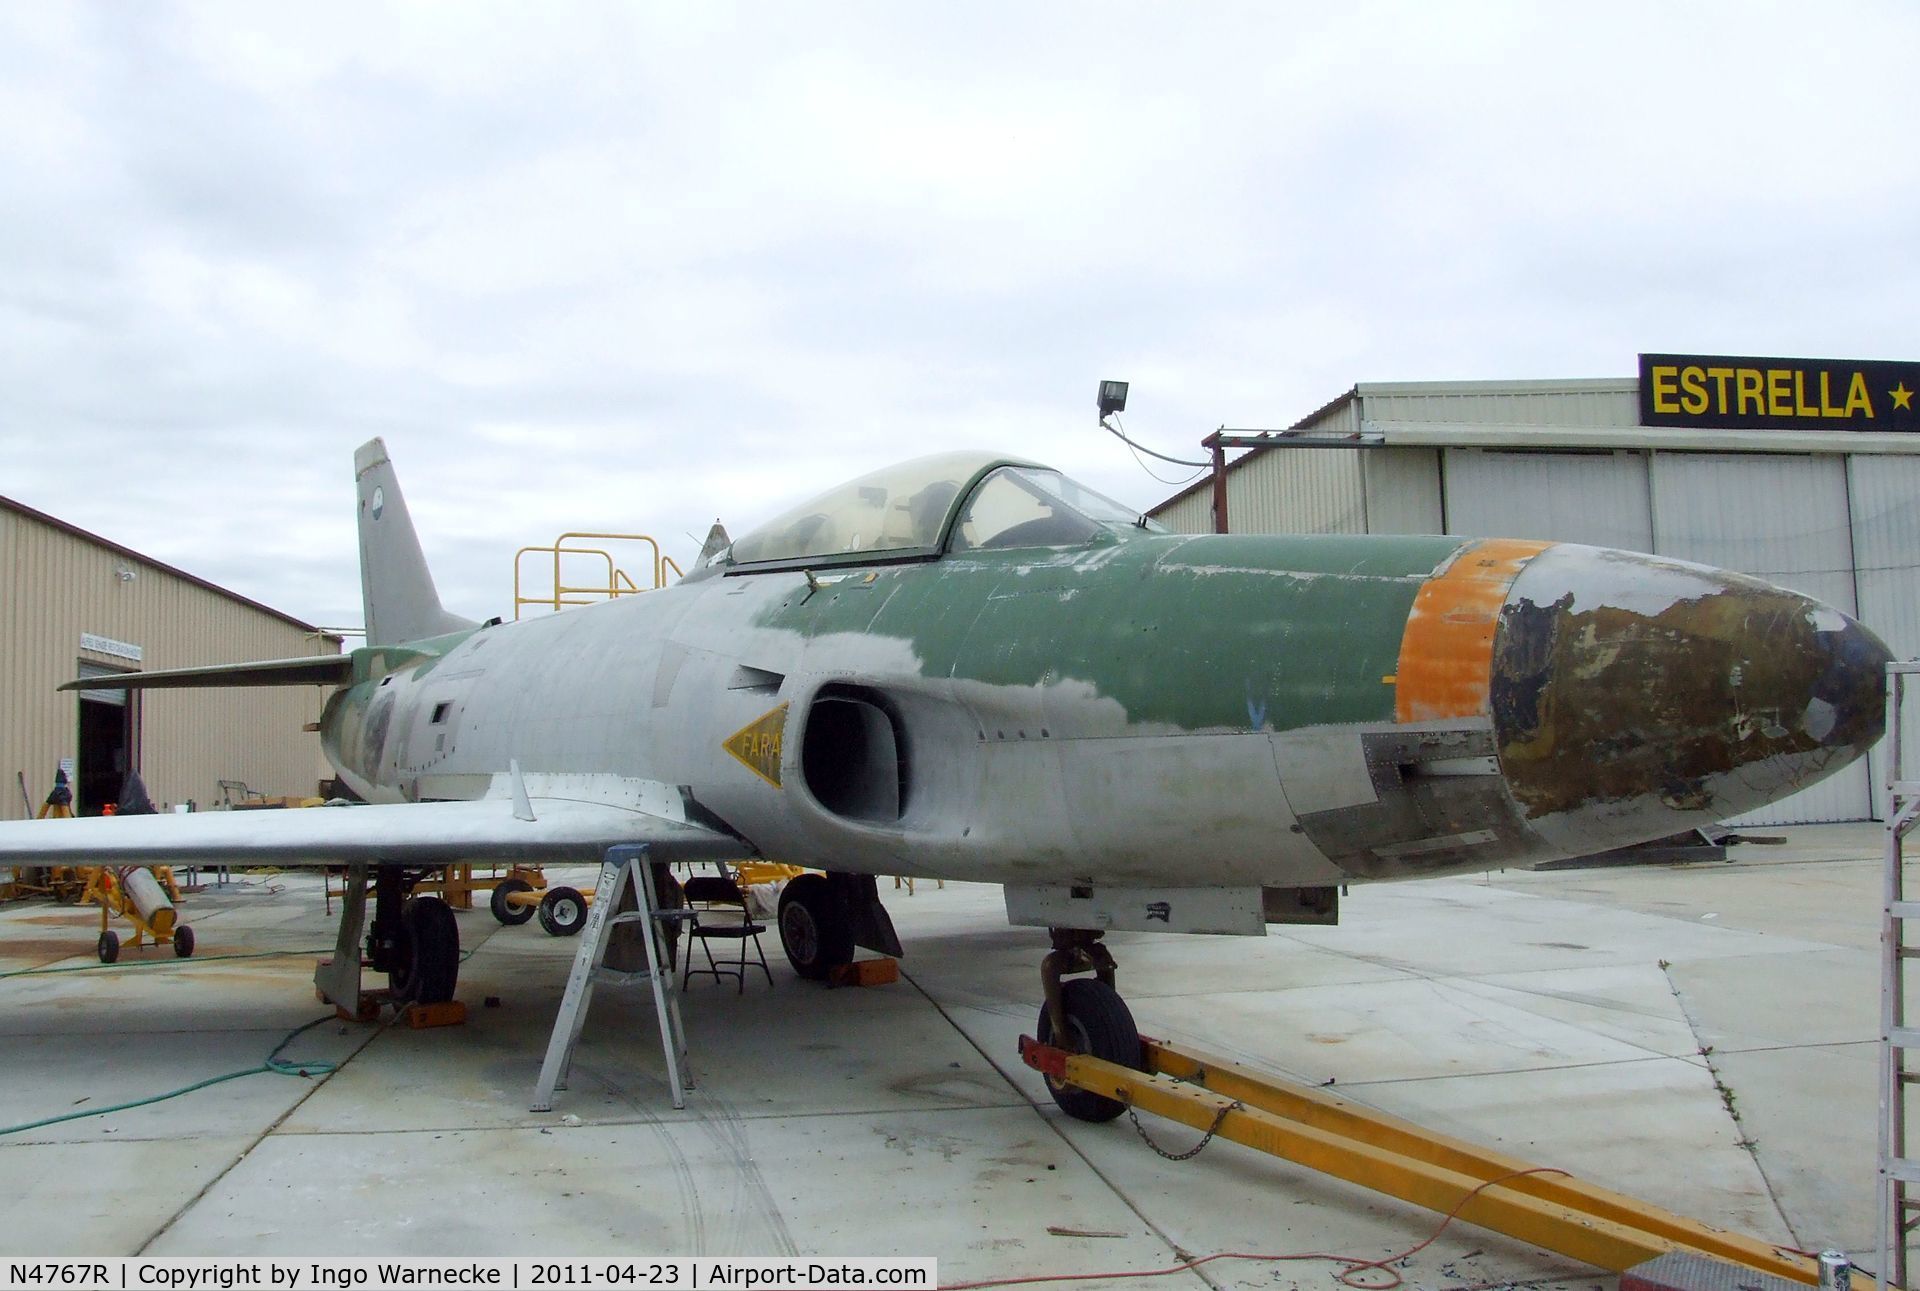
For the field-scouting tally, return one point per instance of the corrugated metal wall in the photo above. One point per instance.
(1598, 404)
(1282, 490)
(1885, 502)
(1597, 498)
(1286, 490)
(1299, 490)
(1189, 513)
(1403, 490)
(59, 585)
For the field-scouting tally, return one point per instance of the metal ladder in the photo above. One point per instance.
(1898, 1172)
(624, 865)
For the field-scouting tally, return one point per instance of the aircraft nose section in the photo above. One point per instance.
(1634, 697)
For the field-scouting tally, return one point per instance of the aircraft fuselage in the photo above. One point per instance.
(1151, 709)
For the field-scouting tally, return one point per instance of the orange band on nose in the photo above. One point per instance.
(1446, 654)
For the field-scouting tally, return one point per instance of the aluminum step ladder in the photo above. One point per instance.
(1898, 1172)
(624, 865)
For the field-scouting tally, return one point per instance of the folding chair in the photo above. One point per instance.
(720, 911)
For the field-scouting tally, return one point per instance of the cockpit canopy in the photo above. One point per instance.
(968, 501)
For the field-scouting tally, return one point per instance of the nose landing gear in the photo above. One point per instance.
(1085, 1015)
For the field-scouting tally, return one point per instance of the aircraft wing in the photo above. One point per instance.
(309, 670)
(430, 833)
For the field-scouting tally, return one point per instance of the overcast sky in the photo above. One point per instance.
(638, 266)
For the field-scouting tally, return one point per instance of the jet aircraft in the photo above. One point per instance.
(971, 667)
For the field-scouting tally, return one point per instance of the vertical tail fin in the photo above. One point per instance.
(395, 585)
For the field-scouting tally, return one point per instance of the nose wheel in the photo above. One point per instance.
(1085, 1015)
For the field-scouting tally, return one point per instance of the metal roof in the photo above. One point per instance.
(1557, 385)
(1444, 431)
(1418, 434)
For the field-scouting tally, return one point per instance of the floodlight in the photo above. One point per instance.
(1113, 398)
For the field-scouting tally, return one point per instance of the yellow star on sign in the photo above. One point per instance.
(1902, 397)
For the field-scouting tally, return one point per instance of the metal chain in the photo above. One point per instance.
(1219, 1118)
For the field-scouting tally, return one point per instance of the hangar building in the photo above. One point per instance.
(79, 605)
(1823, 498)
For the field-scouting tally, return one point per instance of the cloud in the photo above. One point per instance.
(613, 267)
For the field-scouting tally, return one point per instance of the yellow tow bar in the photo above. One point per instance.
(1338, 1137)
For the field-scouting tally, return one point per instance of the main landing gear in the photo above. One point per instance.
(815, 930)
(824, 916)
(1085, 1015)
(414, 940)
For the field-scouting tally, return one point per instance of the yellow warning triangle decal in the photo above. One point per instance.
(757, 744)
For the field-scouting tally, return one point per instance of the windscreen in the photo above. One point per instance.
(1030, 506)
(900, 509)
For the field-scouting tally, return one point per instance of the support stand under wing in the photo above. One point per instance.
(625, 865)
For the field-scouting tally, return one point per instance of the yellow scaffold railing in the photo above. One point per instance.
(616, 583)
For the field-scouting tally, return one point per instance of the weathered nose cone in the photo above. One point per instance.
(1634, 696)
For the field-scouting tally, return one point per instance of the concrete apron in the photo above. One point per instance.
(1558, 1017)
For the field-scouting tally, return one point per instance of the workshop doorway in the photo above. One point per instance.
(108, 743)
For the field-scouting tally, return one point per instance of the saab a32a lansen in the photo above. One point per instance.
(971, 667)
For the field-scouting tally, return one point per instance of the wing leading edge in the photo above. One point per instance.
(309, 670)
(429, 833)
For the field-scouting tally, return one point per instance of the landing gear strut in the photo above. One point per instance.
(414, 940)
(1085, 1015)
(824, 916)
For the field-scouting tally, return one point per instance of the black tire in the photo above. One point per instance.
(432, 967)
(183, 942)
(563, 912)
(108, 946)
(1098, 1023)
(505, 911)
(814, 928)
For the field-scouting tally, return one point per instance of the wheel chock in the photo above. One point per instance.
(450, 1014)
(865, 972)
(419, 1016)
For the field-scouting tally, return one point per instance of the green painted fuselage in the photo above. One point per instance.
(1103, 712)
(1149, 710)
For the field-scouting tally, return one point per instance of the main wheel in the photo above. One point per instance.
(814, 928)
(1098, 1023)
(506, 911)
(432, 965)
(563, 912)
(183, 942)
(109, 946)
